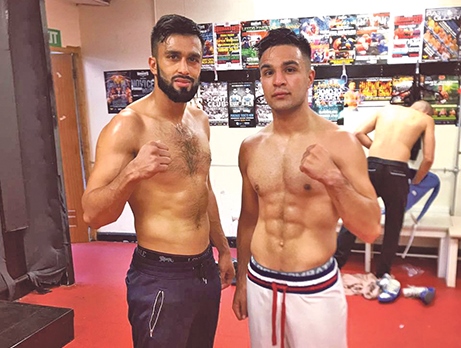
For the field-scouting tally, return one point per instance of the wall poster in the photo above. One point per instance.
(125, 87)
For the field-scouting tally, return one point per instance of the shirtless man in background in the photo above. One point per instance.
(155, 155)
(300, 174)
(396, 129)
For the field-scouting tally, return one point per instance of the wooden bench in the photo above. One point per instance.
(454, 234)
(430, 226)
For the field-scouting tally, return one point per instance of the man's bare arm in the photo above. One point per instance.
(361, 133)
(117, 171)
(428, 151)
(345, 177)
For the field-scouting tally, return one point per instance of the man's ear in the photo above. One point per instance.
(311, 77)
(153, 65)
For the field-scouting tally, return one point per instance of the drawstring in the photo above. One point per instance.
(275, 288)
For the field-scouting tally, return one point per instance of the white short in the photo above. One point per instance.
(296, 310)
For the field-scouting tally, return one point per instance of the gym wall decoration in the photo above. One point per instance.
(212, 99)
(241, 97)
(125, 87)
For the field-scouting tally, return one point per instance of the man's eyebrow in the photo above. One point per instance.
(286, 63)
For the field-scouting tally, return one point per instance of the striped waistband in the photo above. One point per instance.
(171, 258)
(307, 282)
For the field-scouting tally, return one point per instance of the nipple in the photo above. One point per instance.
(281, 243)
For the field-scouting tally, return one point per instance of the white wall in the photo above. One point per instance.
(117, 37)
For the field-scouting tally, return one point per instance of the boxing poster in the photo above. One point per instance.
(252, 32)
(206, 30)
(327, 98)
(289, 23)
(441, 38)
(375, 88)
(142, 83)
(241, 97)
(228, 54)
(317, 31)
(372, 44)
(441, 91)
(407, 39)
(125, 87)
(213, 101)
(343, 36)
(262, 109)
(401, 90)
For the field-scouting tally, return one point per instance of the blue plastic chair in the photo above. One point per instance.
(430, 182)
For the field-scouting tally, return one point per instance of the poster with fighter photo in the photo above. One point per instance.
(407, 39)
(327, 98)
(441, 39)
(343, 36)
(290, 23)
(213, 101)
(206, 30)
(401, 89)
(252, 32)
(441, 91)
(227, 39)
(262, 109)
(241, 96)
(118, 90)
(375, 88)
(317, 31)
(372, 44)
(142, 83)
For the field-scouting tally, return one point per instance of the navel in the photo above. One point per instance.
(307, 187)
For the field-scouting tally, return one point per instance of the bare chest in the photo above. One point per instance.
(278, 171)
(188, 147)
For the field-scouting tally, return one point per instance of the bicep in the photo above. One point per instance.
(113, 153)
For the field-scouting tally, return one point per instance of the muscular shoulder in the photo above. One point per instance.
(122, 131)
(250, 144)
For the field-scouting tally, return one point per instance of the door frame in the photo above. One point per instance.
(82, 114)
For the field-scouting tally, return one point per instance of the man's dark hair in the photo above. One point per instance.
(171, 24)
(284, 36)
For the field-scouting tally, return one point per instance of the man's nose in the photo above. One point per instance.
(183, 67)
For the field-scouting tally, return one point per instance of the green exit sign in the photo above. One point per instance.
(54, 37)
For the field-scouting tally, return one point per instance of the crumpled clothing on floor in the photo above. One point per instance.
(361, 284)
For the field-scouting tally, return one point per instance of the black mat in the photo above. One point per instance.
(32, 326)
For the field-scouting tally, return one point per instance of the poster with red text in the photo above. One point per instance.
(407, 39)
(227, 39)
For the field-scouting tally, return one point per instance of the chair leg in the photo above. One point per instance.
(442, 260)
(452, 263)
(368, 256)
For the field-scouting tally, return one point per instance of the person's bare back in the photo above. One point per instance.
(397, 130)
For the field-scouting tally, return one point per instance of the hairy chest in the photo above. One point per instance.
(188, 147)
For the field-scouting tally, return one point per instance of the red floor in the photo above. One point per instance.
(98, 300)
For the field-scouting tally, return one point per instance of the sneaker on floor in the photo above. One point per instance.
(425, 294)
(390, 289)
